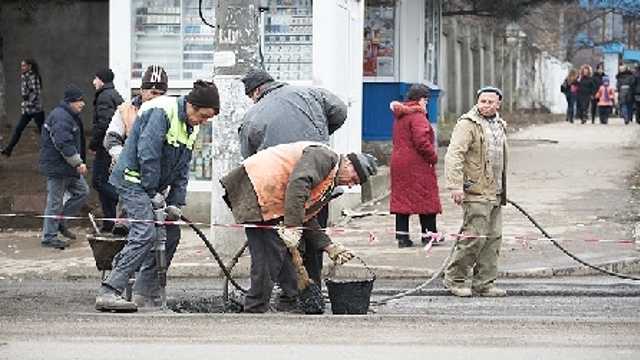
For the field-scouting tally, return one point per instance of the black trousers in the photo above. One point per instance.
(427, 224)
(106, 192)
(313, 259)
(270, 263)
(594, 106)
(583, 108)
(22, 124)
(604, 112)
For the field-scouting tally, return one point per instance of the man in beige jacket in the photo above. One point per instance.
(475, 173)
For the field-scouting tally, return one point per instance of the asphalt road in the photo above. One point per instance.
(594, 318)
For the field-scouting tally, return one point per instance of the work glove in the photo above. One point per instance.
(290, 236)
(157, 201)
(173, 213)
(339, 253)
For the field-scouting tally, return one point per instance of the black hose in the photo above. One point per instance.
(213, 251)
(554, 242)
(230, 266)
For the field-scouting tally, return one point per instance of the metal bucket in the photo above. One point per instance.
(104, 248)
(351, 297)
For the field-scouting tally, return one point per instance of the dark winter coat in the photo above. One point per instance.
(597, 79)
(636, 86)
(624, 84)
(104, 106)
(286, 113)
(62, 148)
(414, 183)
(157, 152)
(586, 87)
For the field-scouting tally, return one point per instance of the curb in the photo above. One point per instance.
(627, 265)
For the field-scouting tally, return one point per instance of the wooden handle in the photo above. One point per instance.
(303, 276)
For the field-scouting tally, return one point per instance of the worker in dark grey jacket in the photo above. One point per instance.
(284, 114)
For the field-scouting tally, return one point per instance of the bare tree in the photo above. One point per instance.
(501, 9)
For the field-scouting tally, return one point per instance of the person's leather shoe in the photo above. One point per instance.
(67, 233)
(491, 291)
(113, 302)
(405, 243)
(55, 243)
(6, 152)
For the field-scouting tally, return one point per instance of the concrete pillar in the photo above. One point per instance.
(490, 71)
(411, 36)
(467, 70)
(455, 69)
(452, 58)
(475, 42)
(482, 59)
(236, 52)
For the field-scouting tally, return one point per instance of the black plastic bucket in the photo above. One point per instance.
(351, 297)
(104, 248)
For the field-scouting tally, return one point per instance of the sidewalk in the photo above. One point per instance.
(580, 182)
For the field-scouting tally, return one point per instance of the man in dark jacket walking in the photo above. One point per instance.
(625, 80)
(284, 114)
(62, 162)
(636, 93)
(155, 158)
(105, 103)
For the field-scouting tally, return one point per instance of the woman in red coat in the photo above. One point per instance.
(414, 184)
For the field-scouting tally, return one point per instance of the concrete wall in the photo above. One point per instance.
(69, 40)
(476, 54)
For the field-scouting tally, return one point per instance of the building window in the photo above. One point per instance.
(170, 33)
(379, 38)
(288, 31)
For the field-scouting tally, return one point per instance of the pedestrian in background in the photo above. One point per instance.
(586, 90)
(636, 93)
(62, 161)
(625, 80)
(105, 103)
(414, 183)
(476, 174)
(606, 100)
(154, 84)
(570, 90)
(597, 79)
(31, 105)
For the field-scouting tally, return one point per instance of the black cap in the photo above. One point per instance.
(255, 78)
(364, 164)
(72, 93)
(106, 75)
(204, 95)
(155, 78)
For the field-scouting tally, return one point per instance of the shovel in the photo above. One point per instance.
(310, 297)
